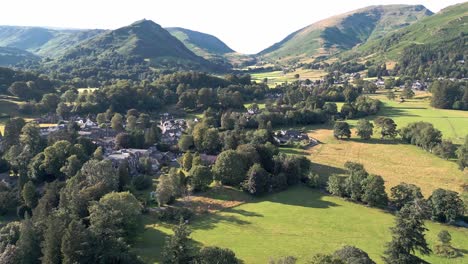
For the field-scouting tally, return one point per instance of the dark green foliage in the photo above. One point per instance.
(462, 155)
(177, 249)
(284, 260)
(258, 180)
(421, 134)
(408, 236)
(174, 214)
(77, 244)
(354, 183)
(115, 215)
(374, 191)
(8, 199)
(444, 248)
(29, 194)
(404, 193)
(446, 149)
(200, 177)
(216, 255)
(9, 234)
(229, 168)
(353, 255)
(52, 243)
(142, 182)
(341, 129)
(446, 205)
(365, 129)
(324, 259)
(449, 95)
(336, 185)
(28, 243)
(388, 127)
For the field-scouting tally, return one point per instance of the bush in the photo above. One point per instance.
(216, 255)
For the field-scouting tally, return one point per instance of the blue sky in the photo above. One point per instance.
(247, 26)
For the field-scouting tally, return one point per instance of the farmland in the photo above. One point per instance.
(299, 222)
(278, 77)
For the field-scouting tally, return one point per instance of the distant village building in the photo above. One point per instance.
(420, 86)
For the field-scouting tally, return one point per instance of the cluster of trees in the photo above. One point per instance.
(25, 85)
(448, 94)
(360, 186)
(425, 136)
(365, 129)
(434, 60)
(344, 255)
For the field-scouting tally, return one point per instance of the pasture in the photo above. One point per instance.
(278, 77)
(299, 221)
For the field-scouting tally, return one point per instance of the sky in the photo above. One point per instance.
(247, 26)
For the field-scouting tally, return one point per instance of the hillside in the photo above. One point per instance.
(343, 32)
(43, 41)
(11, 56)
(443, 29)
(143, 39)
(202, 44)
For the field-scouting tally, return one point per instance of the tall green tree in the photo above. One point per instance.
(364, 129)
(177, 249)
(77, 244)
(29, 243)
(408, 236)
(341, 129)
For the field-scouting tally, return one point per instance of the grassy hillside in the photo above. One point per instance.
(143, 39)
(43, 41)
(299, 222)
(448, 25)
(202, 44)
(344, 31)
(11, 56)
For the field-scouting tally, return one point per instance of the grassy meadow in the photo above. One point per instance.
(278, 77)
(299, 221)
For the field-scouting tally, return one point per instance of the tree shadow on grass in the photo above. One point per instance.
(325, 171)
(376, 141)
(300, 195)
(149, 244)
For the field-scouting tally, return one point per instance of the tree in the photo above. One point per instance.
(374, 191)
(446, 149)
(63, 110)
(117, 122)
(324, 259)
(186, 161)
(353, 255)
(51, 245)
(177, 249)
(116, 214)
(185, 142)
(462, 155)
(404, 193)
(284, 260)
(335, 185)
(407, 93)
(31, 137)
(354, 183)
(446, 205)
(229, 168)
(258, 180)
(216, 255)
(200, 177)
(408, 236)
(341, 129)
(387, 126)
(72, 166)
(123, 140)
(365, 129)
(76, 244)
(12, 131)
(29, 194)
(131, 123)
(170, 186)
(28, 243)
(101, 119)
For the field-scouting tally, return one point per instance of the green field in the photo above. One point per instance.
(278, 77)
(299, 222)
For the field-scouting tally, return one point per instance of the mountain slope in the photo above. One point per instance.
(344, 31)
(202, 44)
(144, 40)
(12, 56)
(448, 26)
(43, 41)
